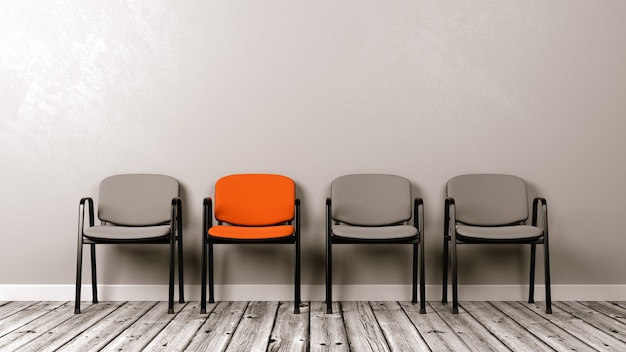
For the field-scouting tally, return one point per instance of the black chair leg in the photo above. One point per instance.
(446, 241)
(94, 282)
(422, 279)
(211, 277)
(329, 280)
(531, 281)
(296, 302)
(79, 271)
(547, 275)
(414, 287)
(455, 291)
(444, 293)
(203, 279)
(181, 261)
(181, 281)
(170, 299)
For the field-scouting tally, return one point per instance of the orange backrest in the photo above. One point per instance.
(255, 199)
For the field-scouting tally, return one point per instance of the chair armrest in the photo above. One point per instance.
(177, 215)
(418, 216)
(329, 205)
(544, 213)
(207, 215)
(328, 217)
(449, 221)
(297, 217)
(81, 213)
(297, 205)
(177, 207)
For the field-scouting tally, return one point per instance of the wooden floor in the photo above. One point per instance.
(272, 326)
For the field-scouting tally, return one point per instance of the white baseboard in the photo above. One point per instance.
(313, 292)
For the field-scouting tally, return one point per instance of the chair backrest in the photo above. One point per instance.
(137, 199)
(371, 199)
(489, 199)
(255, 199)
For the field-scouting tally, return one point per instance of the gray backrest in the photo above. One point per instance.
(137, 199)
(489, 199)
(371, 199)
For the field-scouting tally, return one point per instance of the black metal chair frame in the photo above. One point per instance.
(176, 234)
(207, 252)
(450, 235)
(417, 241)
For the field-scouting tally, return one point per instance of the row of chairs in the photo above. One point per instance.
(361, 209)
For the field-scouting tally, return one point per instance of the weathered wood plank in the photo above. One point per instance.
(610, 309)
(362, 329)
(602, 322)
(219, 327)
(619, 303)
(179, 332)
(11, 308)
(143, 330)
(291, 331)
(272, 326)
(552, 335)
(70, 328)
(470, 331)
(328, 332)
(437, 334)
(579, 328)
(105, 330)
(36, 328)
(25, 316)
(253, 332)
(399, 331)
(504, 328)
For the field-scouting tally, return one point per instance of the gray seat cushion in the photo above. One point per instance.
(500, 233)
(126, 233)
(375, 233)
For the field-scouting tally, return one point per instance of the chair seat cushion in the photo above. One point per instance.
(126, 233)
(501, 233)
(375, 233)
(251, 233)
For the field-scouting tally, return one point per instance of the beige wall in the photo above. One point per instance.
(313, 90)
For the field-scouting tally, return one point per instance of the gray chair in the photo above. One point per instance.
(374, 209)
(136, 208)
(492, 209)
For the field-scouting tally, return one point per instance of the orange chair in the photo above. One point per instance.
(251, 208)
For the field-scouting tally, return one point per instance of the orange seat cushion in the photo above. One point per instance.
(251, 233)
